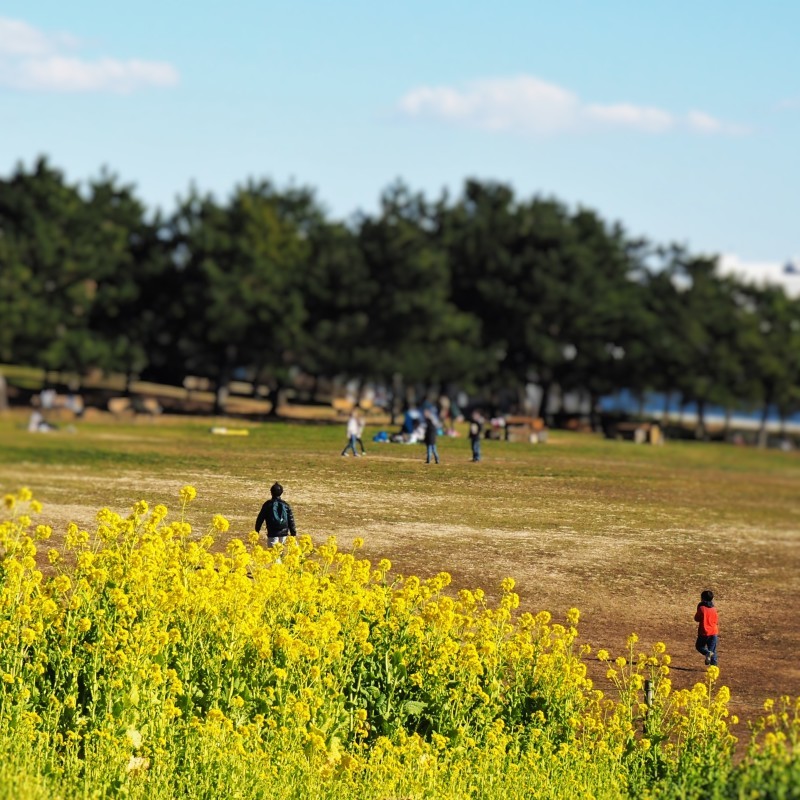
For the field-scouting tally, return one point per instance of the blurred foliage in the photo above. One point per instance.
(480, 292)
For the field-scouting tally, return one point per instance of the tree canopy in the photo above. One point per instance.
(482, 291)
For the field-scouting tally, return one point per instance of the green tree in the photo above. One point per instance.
(49, 266)
(135, 256)
(238, 301)
(339, 294)
(772, 352)
(416, 333)
(551, 289)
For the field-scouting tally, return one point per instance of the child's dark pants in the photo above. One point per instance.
(707, 646)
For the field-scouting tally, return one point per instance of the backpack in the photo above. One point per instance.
(280, 514)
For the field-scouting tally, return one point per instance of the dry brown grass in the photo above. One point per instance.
(630, 535)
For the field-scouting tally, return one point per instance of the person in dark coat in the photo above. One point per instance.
(475, 433)
(430, 438)
(278, 516)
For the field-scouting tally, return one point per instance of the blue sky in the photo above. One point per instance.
(681, 120)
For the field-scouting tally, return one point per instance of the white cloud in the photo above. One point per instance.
(704, 123)
(33, 60)
(625, 115)
(18, 39)
(67, 74)
(526, 104)
(763, 272)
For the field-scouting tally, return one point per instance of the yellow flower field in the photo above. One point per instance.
(140, 661)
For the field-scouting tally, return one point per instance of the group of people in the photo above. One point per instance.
(429, 435)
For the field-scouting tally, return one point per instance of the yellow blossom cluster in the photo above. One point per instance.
(145, 657)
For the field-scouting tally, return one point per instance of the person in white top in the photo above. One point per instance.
(353, 432)
(360, 434)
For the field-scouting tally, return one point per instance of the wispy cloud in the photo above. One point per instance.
(526, 104)
(34, 60)
(788, 104)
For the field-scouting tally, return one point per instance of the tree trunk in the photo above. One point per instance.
(665, 412)
(359, 389)
(410, 397)
(224, 379)
(701, 420)
(522, 400)
(221, 396)
(275, 392)
(762, 428)
(544, 401)
(561, 402)
(396, 394)
(312, 392)
(594, 417)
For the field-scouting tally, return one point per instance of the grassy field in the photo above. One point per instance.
(630, 535)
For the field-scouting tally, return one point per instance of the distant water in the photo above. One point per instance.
(625, 402)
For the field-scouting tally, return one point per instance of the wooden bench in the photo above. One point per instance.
(526, 429)
(130, 406)
(637, 432)
(343, 405)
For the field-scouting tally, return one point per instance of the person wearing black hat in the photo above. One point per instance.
(278, 516)
(708, 627)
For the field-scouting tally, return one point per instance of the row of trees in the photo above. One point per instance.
(482, 291)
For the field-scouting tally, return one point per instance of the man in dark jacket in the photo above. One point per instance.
(430, 438)
(475, 433)
(277, 514)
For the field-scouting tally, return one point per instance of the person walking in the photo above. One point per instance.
(430, 438)
(360, 433)
(475, 433)
(278, 516)
(352, 433)
(708, 627)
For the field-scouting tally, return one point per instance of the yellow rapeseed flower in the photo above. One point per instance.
(187, 494)
(573, 616)
(220, 524)
(508, 584)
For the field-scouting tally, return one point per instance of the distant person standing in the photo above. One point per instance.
(353, 432)
(359, 435)
(430, 438)
(708, 627)
(475, 433)
(278, 516)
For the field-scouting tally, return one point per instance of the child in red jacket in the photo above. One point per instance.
(708, 629)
